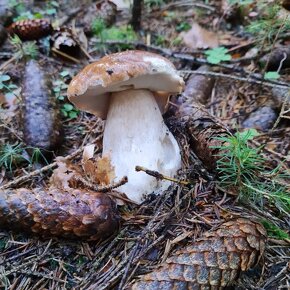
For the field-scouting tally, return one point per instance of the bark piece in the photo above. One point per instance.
(211, 262)
(54, 212)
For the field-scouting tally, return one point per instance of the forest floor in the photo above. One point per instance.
(235, 61)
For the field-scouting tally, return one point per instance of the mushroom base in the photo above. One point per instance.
(135, 134)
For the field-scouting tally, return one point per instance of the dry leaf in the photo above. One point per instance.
(198, 37)
(64, 175)
(105, 172)
(100, 170)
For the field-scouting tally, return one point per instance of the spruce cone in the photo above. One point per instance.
(212, 262)
(31, 29)
(75, 214)
(107, 10)
(64, 40)
(41, 121)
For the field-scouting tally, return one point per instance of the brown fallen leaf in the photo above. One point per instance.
(198, 37)
(65, 175)
(105, 172)
(98, 170)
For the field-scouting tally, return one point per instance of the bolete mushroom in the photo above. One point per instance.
(130, 90)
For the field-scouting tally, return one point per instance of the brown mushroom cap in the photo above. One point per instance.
(89, 90)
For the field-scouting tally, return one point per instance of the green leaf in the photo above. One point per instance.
(51, 11)
(4, 78)
(248, 134)
(65, 113)
(217, 55)
(73, 114)
(64, 73)
(68, 107)
(271, 75)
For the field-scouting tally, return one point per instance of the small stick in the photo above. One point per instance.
(105, 188)
(65, 55)
(158, 175)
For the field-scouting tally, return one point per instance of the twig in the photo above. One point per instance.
(10, 60)
(65, 55)
(221, 75)
(37, 172)
(158, 175)
(187, 57)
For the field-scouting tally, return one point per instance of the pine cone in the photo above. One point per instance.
(107, 10)
(31, 29)
(212, 262)
(64, 40)
(53, 212)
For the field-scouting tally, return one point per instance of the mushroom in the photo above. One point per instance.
(130, 90)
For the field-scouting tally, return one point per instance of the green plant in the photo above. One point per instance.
(26, 49)
(68, 110)
(11, 155)
(176, 41)
(244, 168)
(183, 26)
(217, 55)
(270, 23)
(98, 26)
(37, 156)
(274, 231)
(271, 75)
(60, 85)
(9, 89)
(160, 40)
(3, 80)
(240, 2)
(51, 8)
(120, 33)
(154, 3)
(59, 88)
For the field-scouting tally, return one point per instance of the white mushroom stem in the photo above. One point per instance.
(135, 134)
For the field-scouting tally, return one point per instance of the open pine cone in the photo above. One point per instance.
(31, 29)
(212, 262)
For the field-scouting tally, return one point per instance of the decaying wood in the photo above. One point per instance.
(212, 262)
(41, 119)
(51, 212)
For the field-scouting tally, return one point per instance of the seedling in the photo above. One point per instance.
(269, 24)
(69, 111)
(274, 231)
(271, 75)
(217, 55)
(8, 88)
(60, 85)
(11, 155)
(3, 80)
(183, 26)
(154, 3)
(243, 167)
(27, 49)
